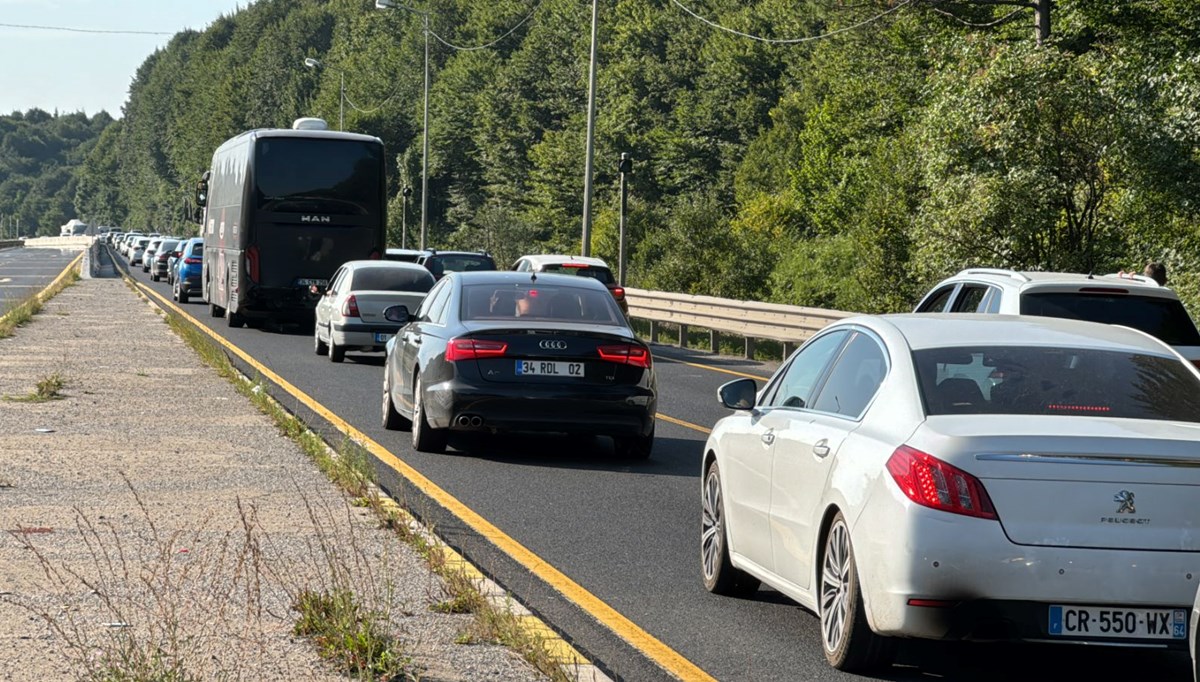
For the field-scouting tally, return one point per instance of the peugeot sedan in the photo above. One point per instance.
(507, 351)
(963, 477)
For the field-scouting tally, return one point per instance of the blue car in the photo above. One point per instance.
(185, 273)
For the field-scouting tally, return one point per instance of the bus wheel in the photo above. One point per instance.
(235, 320)
(216, 310)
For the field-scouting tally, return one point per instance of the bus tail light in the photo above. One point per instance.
(375, 255)
(350, 307)
(252, 263)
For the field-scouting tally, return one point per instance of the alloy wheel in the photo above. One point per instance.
(712, 530)
(835, 586)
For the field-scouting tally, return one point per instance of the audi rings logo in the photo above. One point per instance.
(552, 345)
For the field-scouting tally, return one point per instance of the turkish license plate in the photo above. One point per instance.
(546, 368)
(381, 337)
(1100, 621)
(305, 282)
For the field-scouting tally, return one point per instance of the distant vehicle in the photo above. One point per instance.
(150, 252)
(502, 351)
(442, 263)
(580, 266)
(74, 228)
(159, 263)
(404, 255)
(282, 210)
(137, 249)
(1129, 300)
(350, 314)
(185, 277)
(957, 477)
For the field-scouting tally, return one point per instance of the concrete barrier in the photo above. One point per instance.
(80, 242)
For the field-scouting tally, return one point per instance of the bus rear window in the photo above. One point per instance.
(1164, 318)
(319, 176)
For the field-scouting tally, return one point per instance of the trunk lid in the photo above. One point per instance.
(1080, 482)
(551, 355)
(371, 304)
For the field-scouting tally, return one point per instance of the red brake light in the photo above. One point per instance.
(474, 349)
(574, 265)
(932, 483)
(252, 263)
(626, 354)
(618, 292)
(1102, 290)
(375, 255)
(350, 307)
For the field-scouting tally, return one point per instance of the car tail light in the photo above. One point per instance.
(1196, 363)
(350, 307)
(574, 265)
(192, 261)
(932, 483)
(618, 292)
(252, 263)
(626, 354)
(474, 349)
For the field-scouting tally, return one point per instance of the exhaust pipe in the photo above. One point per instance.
(468, 421)
(463, 420)
(476, 422)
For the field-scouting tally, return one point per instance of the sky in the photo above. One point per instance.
(70, 71)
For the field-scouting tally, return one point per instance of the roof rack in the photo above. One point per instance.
(996, 271)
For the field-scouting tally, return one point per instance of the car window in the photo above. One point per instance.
(603, 274)
(795, 386)
(1043, 380)
(936, 302)
(434, 301)
(197, 249)
(1164, 318)
(540, 301)
(970, 298)
(392, 279)
(335, 282)
(854, 378)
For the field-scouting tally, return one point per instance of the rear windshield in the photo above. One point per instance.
(603, 274)
(540, 302)
(1042, 380)
(168, 246)
(1163, 318)
(197, 249)
(392, 279)
(441, 265)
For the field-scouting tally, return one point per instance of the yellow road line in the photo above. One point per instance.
(713, 369)
(680, 422)
(666, 657)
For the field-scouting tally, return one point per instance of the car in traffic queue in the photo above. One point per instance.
(989, 477)
(138, 249)
(442, 263)
(185, 277)
(349, 315)
(159, 263)
(1194, 625)
(406, 255)
(1131, 300)
(520, 352)
(580, 266)
(150, 252)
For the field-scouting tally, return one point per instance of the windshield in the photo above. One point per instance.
(1164, 318)
(1040, 380)
(321, 176)
(540, 302)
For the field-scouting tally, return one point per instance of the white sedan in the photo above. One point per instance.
(963, 477)
(349, 316)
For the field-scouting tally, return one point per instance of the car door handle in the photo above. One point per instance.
(768, 438)
(821, 448)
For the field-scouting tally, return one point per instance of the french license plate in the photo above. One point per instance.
(304, 282)
(381, 337)
(549, 369)
(1099, 621)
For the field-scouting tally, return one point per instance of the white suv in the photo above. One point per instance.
(1128, 300)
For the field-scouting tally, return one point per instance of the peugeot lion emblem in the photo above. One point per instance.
(1125, 499)
(553, 345)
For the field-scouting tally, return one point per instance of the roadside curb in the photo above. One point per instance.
(572, 663)
(44, 295)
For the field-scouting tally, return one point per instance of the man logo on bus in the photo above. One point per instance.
(314, 219)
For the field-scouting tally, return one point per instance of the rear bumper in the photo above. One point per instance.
(362, 336)
(612, 411)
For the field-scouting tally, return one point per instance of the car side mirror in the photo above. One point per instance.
(739, 394)
(397, 313)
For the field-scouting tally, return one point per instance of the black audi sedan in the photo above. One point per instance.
(519, 352)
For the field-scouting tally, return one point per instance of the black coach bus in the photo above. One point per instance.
(283, 208)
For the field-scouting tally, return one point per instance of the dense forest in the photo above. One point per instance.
(839, 153)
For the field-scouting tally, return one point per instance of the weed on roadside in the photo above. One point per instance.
(48, 388)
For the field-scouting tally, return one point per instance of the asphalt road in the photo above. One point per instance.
(629, 532)
(27, 271)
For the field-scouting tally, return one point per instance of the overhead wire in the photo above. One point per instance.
(89, 30)
(791, 41)
(511, 31)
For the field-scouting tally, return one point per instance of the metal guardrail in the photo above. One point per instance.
(749, 319)
(10, 243)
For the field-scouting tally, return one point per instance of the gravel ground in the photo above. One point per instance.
(153, 517)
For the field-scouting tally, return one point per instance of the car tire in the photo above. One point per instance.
(846, 637)
(635, 447)
(336, 352)
(154, 277)
(182, 296)
(174, 292)
(425, 438)
(392, 420)
(319, 346)
(718, 572)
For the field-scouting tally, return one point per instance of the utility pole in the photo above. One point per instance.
(425, 142)
(405, 194)
(624, 168)
(591, 135)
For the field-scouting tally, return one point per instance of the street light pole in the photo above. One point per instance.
(591, 134)
(405, 193)
(624, 168)
(392, 4)
(316, 64)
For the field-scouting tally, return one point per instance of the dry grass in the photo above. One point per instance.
(47, 388)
